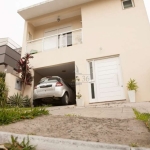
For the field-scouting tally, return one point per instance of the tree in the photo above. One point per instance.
(24, 70)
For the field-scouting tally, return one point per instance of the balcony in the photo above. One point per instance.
(55, 41)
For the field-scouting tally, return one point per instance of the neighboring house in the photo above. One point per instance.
(10, 53)
(103, 42)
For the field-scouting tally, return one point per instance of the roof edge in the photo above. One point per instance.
(34, 5)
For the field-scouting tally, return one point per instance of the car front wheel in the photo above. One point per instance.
(65, 99)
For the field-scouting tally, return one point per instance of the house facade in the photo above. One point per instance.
(102, 43)
(10, 53)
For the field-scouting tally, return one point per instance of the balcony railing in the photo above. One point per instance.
(56, 41)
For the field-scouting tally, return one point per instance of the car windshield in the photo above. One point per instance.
(49, 79)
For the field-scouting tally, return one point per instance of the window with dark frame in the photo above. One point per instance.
(18, 84)
(92, 77)
(127, 4)
(92, 91)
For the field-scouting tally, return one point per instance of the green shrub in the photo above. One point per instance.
(3, 93)
(2, 75)
(15, 145)
(11, 115)
(18, 100)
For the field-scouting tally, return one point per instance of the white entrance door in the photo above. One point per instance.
(108, 80)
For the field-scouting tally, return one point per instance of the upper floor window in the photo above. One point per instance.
(127, 3)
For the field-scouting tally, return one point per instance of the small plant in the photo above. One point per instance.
(132, 85)
(133, 145)
(77, 79)
(15, 145)
(19, 100)
(72, 115)
(78, 96)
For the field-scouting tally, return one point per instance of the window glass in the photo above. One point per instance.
(18, 84)
(91, 70)
(92, 91)
(69, 39)
(127, 3)
(49, 79)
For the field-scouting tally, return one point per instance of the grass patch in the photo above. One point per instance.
(11, 115)
(141, 116)
(145, 117)
(72, 115)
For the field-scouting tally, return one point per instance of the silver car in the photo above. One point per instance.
(53, 87)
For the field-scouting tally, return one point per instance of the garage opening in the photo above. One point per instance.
(66, 72)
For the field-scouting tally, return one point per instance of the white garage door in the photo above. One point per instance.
(108, 80)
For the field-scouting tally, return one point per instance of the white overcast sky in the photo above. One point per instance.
(11, 24)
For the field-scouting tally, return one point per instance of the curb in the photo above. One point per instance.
(46, 143)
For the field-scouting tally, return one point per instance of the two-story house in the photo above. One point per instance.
(10, 53)
(103, 42)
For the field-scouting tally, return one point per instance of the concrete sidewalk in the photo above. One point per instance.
(119, 110)
(44, 143)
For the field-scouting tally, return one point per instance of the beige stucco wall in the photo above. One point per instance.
(37, 78)
(109, 30)
(10, 81)
(2, 68)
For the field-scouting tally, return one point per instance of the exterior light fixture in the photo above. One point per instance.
(63, 71)
(58, 19)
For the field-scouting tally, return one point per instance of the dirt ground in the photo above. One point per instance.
(115, 131)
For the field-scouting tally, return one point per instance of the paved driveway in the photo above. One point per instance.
(94, 126)
(119, 111)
